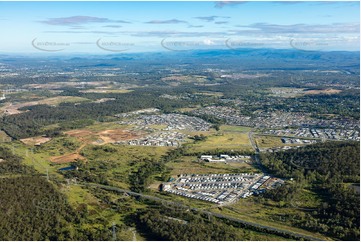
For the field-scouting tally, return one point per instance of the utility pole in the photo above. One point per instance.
(114, 232)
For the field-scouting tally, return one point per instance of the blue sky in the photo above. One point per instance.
(106, 27)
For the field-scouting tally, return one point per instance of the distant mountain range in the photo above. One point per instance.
(248, 57)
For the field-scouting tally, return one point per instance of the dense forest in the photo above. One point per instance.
(162, 226)
(32, 208)
(11, 164)
(327, 169)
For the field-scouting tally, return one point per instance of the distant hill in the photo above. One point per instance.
(247, 58)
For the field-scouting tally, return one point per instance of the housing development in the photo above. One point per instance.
(180, 121)
(221, 188)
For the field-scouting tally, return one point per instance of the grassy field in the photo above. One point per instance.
(267, 141)
(63, 99)
(224, 141)
(60, 146)
(191, 165)
(240, 129)
(4, 137)
(121, 159)
(275, 214)
(281, 223)
(32, 158)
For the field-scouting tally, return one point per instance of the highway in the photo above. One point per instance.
(218, 215)
(256, 155)
(253, 143)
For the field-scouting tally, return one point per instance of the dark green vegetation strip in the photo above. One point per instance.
(32, 208)
(326, 169)
(249, 225)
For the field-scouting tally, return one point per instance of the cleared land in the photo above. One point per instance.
(297, 92)
(266, 141)
(181, 78)
(326, 91)
(35, 140)
(104, 137)
(67, 158)
(13, 108)
(88, 137)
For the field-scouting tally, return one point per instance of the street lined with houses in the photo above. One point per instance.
(279, 123)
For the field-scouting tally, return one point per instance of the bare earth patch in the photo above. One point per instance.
(108, 136)
(79, 133)
(66, 158)
(35, 140)
(326, 91)
(91, 137)
(13, 108)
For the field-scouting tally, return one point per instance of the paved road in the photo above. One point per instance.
(253, 143)
(218, 215)
(256, 156)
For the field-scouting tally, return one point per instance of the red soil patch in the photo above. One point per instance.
(66, 158)
(108, 136)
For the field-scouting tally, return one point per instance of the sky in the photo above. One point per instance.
(117, 27)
